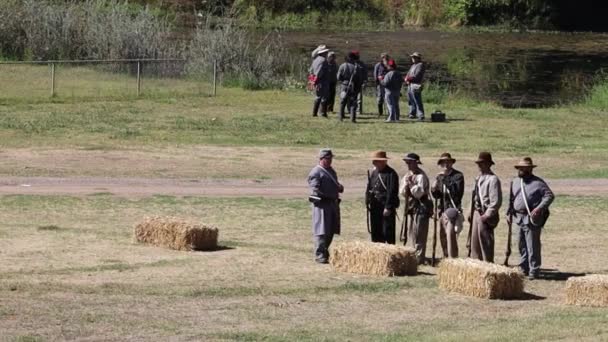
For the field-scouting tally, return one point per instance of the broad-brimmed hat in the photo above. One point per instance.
(412, 157)
(446, 157)
(379, 155)
(325, 153)
(485, 157)
(331, 53)
(384, 55)
(525, 162)
(416, 54)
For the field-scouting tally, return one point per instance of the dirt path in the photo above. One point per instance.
(276, 188)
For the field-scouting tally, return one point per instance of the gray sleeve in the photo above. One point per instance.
(548, 196)
(495, 194)
(314, 181)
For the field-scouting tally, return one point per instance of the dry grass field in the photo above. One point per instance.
(69, 269)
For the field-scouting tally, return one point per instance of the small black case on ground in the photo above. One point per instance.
(438, 116)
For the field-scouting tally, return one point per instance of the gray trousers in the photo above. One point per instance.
(322, 243)
(418, 234)
(529, 249)
(482, 240)
(448, 238)
(392, 102)
(414, 98)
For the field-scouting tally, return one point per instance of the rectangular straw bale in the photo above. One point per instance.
(480, 279)
(373, 258)
(176, 234)
(591, 290)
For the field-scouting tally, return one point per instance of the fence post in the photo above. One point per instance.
(52, 79)
(138, 77)
(214, 77)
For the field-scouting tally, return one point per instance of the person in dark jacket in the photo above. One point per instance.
(350, 81)
(382, 199)
(362, 73)
(332, 71)
(414, 79)
(380, 70)
(392, 83)
(320, 80)
(448, 189)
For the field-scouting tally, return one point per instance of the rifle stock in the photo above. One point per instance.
(471, 217)
(403, 234)
(369, 230)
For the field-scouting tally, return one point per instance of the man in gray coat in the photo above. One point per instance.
(362, 68)
(487, 199)
(320, 80)
(414, 78)
(325, 190)
(392, 83)
(529, 202)
(380, 70)
(350, 80)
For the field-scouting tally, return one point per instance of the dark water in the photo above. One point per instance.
(513, 69)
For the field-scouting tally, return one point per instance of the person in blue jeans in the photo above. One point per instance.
(414, 79)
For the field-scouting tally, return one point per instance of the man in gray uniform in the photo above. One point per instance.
(392, 83)
(415, 189)
(362, 70)
(325, 190)
(380, 70)
(414, 78)
(350, 80)
(529, 202)
(320, 81)
(487, 199)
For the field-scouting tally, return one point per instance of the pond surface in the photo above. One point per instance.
(512, 69)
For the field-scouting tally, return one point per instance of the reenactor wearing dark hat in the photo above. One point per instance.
(529, 201)
(415, 188)
(320, 80)
(332, 71)
(380, 70)
(382, 199)
(325, 190)
(448, 189)
(487, 199)
(350, 80)
(363, 79)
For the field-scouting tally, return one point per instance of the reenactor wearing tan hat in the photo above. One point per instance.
(448, 189)
(415, 189)
(529, 201)
(319, 77)
(382, 199)
(414, 79)
(487, 199)
(325, 199)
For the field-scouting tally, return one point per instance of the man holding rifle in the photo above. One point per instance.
(529, 201)
(484, 217)
(415, 189)
(349, 76)
(382, 199)
(448, 190)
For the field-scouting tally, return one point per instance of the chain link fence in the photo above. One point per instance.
(99, 79)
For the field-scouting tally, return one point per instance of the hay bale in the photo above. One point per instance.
(373, 258)
(591, 290)
(176, 234)
(480, 279)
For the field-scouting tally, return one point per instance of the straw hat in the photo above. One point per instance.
(446, 157)
(416, 54)
(379, 155)
(525, 162)
(485, 157)
(412, 157)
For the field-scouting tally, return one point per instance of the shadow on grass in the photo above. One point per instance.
(556, 275)
(216, 249)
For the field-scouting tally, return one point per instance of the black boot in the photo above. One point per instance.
(315, 107)
(380, 109)
(342, 108)
(324, 110)
(353, 115)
